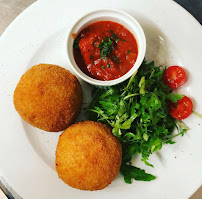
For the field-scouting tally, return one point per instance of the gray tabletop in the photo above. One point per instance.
(9, 9)
(192, 6)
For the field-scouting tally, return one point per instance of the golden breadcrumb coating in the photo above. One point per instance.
(88, 156)
(48, 97)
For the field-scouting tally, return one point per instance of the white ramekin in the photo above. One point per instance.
(107, 15)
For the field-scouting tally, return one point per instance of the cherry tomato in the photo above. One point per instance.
(174, 77)
(182, 109)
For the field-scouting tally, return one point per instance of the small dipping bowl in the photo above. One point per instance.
(107, 15)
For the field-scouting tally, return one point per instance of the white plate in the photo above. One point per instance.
(38, 35)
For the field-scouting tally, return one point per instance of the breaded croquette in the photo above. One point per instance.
(48, 97)
(88, 156)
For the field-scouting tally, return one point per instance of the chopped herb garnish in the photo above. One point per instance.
(108, 65)
(102, 57)
(103, 67)
(116, 59)
(105, 46)
(124, 40)
(95, 44)
(113, 34)
(76, 43)
(91, 56)
(128, 52)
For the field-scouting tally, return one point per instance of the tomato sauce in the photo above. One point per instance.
(105, 50)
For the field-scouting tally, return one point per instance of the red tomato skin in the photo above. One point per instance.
(182, 109)
(174, 77)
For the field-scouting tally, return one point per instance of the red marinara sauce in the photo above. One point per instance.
(105, 50)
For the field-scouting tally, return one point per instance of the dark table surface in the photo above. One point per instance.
(192, 6)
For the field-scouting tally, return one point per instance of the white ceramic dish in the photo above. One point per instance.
(107, 15)
(38, 35)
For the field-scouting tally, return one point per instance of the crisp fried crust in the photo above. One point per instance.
(88, 156)
(48, 97)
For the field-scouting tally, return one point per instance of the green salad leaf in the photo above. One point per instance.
(131, 172)
(174, 97)
(137, 111)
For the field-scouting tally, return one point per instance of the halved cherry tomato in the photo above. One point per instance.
(174, 77)
(182, 109)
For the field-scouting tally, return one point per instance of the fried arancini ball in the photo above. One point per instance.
(48, 97)
(88, 156)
